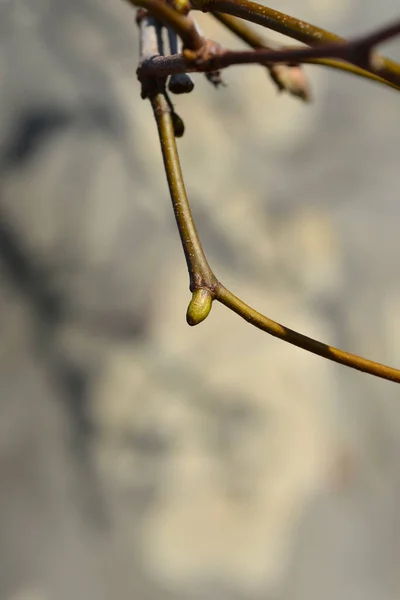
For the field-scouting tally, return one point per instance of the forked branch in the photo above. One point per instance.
(207, 56)
(201, 55)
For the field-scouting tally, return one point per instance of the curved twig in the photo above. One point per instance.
(204, 284)
(275, 329)
(200, 273)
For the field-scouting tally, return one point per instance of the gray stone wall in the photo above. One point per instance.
(140, 458)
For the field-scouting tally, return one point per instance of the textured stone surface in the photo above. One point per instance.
(139, 457)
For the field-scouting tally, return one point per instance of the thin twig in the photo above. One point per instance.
(199, 270)
(252, 38)
(294, 338)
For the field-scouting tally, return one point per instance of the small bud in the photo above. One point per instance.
(199, 307)
(181, 83)
(178, 125)
(292, 79)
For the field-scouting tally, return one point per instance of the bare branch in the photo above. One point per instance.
(200, 273)
(286, 75)
(302, 341)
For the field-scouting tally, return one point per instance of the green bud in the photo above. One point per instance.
(199, 307)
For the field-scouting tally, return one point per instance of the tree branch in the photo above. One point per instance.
(211, 56)
(199, 271)
(207, 56)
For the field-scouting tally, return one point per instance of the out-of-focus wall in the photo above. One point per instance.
(143, 459)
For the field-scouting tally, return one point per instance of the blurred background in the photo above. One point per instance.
(140, 458)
